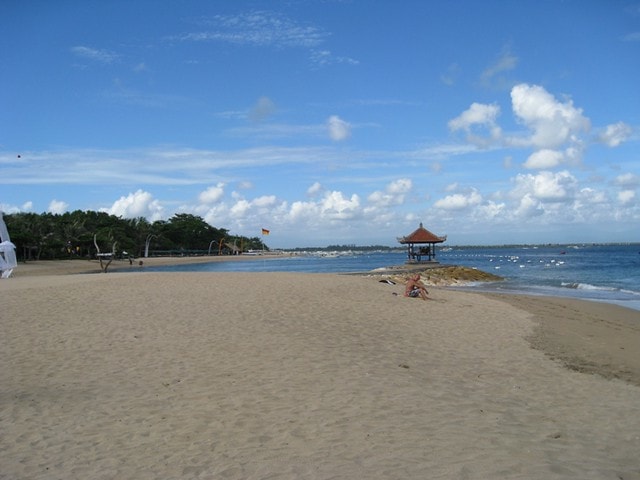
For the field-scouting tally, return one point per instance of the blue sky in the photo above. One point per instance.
(329, 121)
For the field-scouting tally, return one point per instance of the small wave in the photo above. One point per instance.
(588, 286)
(629, 292)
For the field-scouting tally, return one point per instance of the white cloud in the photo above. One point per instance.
(137, 204)
(459, 201)
(544, 158)
(240, 208)
(97, 55)
(336, 206)
(628, 180)
(7, 209)
(339, 130)
(615, 134)
(552, 123)
(528, 207)
(301, 212)
(491, 210)
(394, 193)
(57, 207)
(257, 28)
(264, 201)
(476, 114)
(322, 58)
(482, 116)
(400, 186)
(314, 189)
(333, 206)
(589, 196)
(546, 186)
(626, 196)
(212, 194)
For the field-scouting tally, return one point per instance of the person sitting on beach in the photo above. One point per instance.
(415, 288)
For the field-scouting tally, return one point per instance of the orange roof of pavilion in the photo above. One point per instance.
(422, 235)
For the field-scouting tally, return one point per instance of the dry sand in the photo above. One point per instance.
(289, 376)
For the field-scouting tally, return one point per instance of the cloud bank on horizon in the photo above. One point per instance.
(325, 130)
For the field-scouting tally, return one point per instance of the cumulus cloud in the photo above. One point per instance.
(336, 206)
(552, 123)
(615, 134)
(481, 116)
(264, 201)
(394, 193)
(546, 186)
(400, 186)
(314, 189)
(528, 207)
(590, 196)
(11, 209)
(491, 210)
(626, 196)
(544, 158)
(628, 180)
(57, 207)
(212, 194)
(476, 114)
(240, 208)
(339, 130)
(137, 204)
(333, 206)
(459, 201)
(241, 213)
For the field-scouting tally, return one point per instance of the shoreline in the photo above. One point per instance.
(85, 266)
(588, 336)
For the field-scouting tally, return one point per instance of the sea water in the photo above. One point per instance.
(609, 273)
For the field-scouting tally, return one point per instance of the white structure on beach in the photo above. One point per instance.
(7, 252)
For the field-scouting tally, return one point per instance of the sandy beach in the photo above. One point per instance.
(321, 376)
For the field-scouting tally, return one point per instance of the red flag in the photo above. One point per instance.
(265, 231)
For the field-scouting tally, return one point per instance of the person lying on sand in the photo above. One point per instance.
(415, 288)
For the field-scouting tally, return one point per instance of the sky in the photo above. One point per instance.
(329, 121)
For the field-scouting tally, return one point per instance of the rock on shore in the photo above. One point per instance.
(449, 275)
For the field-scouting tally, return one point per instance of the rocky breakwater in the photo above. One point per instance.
(449, 275)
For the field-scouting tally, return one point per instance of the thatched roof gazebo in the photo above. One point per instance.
(421, 236)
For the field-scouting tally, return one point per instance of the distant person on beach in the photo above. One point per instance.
(415, 288)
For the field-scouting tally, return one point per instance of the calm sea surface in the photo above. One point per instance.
(609, 273)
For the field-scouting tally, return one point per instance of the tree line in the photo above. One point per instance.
(84, 234)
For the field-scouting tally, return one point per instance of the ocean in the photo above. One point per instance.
(607, 273)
